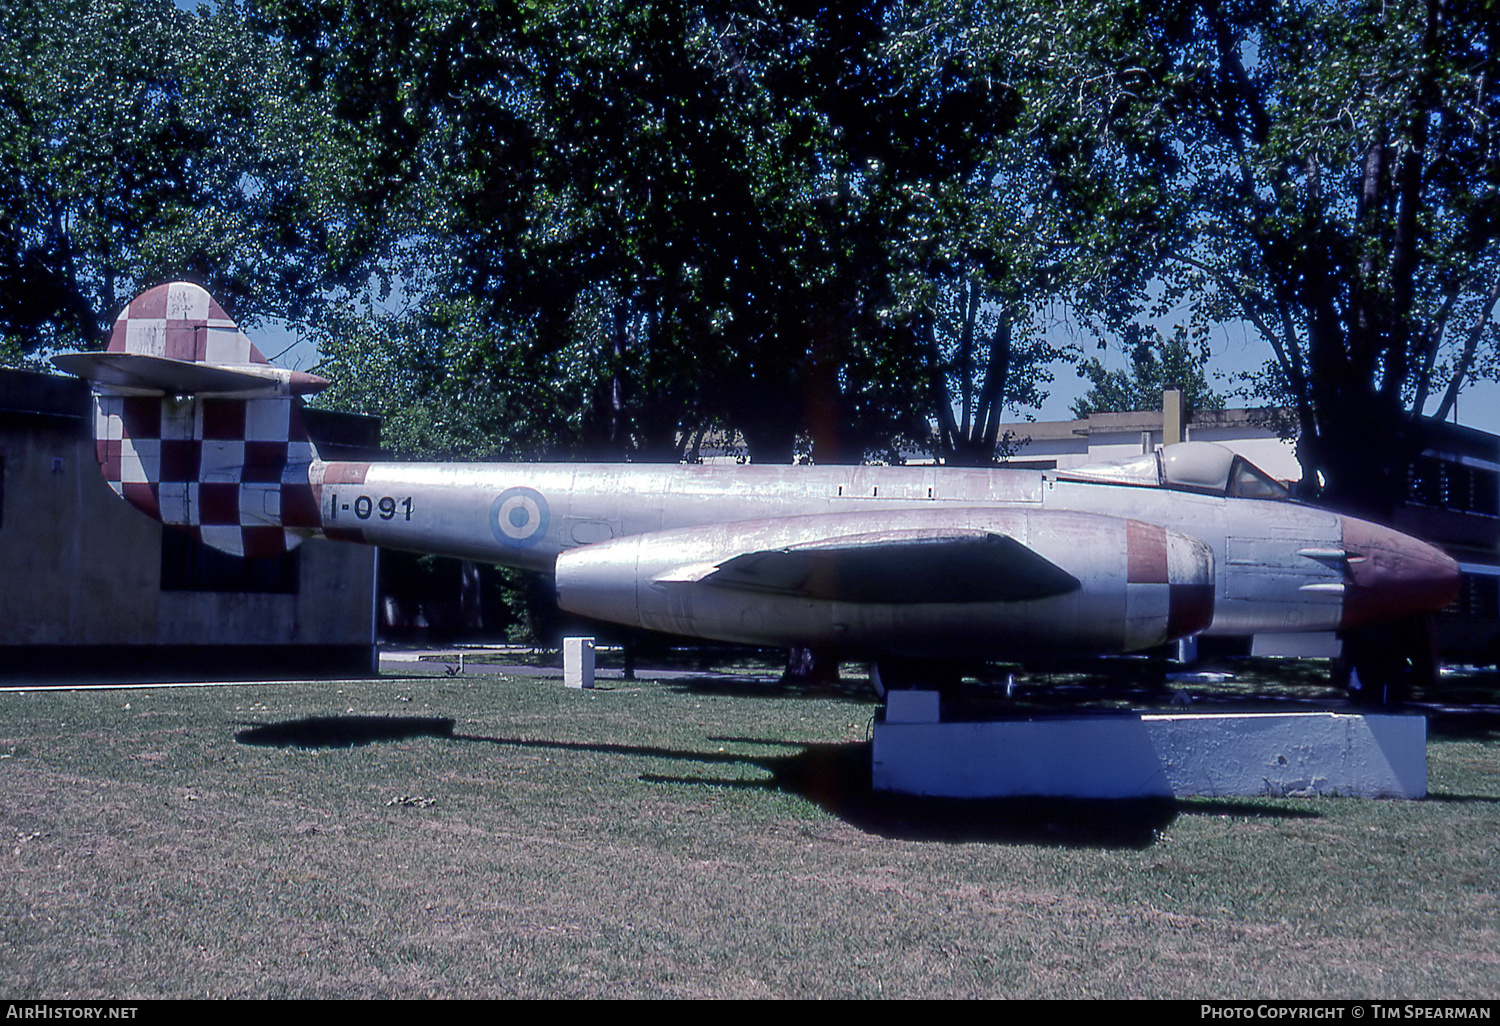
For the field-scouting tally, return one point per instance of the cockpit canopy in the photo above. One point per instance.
(1203, 467)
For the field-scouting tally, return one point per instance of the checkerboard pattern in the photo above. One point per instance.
(233, 472)
(181, 321)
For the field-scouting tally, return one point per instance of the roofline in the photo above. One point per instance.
(1142, 420)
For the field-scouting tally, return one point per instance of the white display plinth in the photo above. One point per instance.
(1138, 755)
(578, 662)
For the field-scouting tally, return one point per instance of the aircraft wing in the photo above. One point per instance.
(913, 566)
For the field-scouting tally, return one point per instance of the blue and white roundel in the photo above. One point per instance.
(518, 518)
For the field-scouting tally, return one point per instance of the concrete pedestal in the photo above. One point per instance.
(1135, 755)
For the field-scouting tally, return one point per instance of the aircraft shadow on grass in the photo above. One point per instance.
(834, 776)
(343, 731)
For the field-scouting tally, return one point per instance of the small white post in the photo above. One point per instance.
(578, 662)
(1187, 650)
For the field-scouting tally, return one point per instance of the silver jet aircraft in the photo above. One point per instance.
(886, 564)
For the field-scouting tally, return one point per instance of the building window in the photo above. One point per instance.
(1446, 485)
(189, 565)
(1478, 596)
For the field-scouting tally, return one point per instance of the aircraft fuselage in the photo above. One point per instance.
(638, 544)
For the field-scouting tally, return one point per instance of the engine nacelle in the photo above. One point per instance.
(939, 583)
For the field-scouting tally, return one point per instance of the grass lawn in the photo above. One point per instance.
(683, 838)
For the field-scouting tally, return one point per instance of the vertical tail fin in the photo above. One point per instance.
(193, 426)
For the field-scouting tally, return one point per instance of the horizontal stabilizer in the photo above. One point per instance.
(900, 567)
(160, 375)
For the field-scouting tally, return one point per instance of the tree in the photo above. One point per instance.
(987, 356)
(743, 216)
(1328, 172)
(427, 372)
(138, 144)
(1157, 363)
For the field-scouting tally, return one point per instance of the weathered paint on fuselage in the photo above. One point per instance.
(1260, 580)
(459, 509)
(525, 515)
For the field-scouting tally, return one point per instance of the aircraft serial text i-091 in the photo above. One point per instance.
(194, 427)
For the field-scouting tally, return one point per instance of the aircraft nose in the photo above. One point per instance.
(1393, 575)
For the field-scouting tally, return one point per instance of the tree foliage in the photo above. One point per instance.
(1326, 171)
(626, 226)
(429, 373)
(139, 143)
(1156, 364)
(754, 217)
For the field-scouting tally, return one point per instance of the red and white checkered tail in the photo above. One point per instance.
(193, 426)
